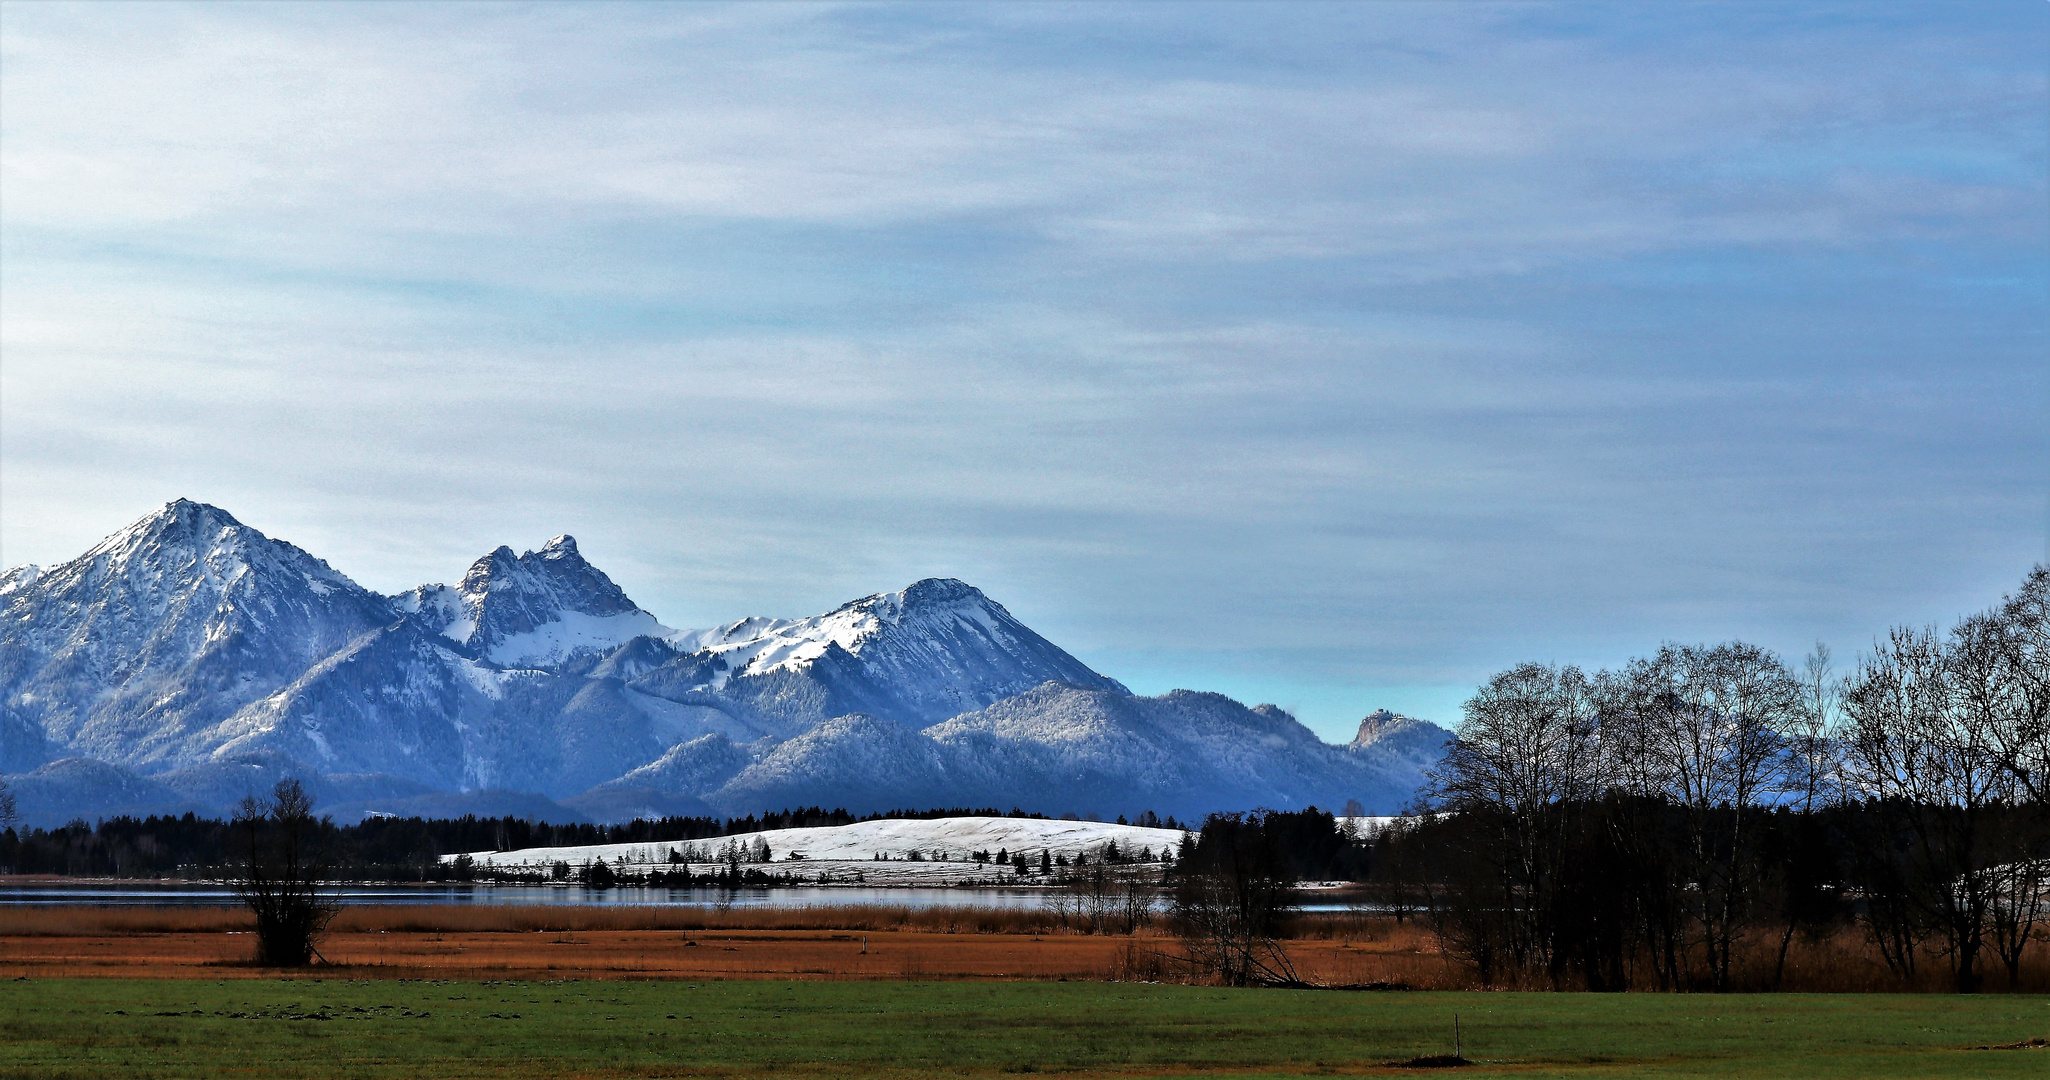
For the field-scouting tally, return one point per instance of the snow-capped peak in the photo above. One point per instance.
(925, 653)
(186, 537)
(791, 644)
(535, 609)
(17, 577)
(174, 621)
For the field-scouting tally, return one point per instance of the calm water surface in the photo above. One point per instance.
(163, 894)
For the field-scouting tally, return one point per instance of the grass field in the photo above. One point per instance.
(121, 1028)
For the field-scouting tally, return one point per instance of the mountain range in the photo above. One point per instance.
(188, 659)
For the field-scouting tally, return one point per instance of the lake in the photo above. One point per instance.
(178, 894)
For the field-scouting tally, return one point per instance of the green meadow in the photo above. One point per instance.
(332, 1028)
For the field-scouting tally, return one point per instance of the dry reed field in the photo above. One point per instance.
(851, 942)
(663, 943)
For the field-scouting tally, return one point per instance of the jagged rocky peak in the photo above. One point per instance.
(1392, 737)
(535, 609)
(1384, 724)
(557, 570)
(191, 538)
(185, 551)
(860, 626)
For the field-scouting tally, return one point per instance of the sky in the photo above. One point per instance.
(1335, 356)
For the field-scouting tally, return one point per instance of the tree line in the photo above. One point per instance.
(1657, 824)
(380, 848)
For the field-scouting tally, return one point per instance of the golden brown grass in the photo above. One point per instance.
(422, 941)
(86, 920)
(488, 941)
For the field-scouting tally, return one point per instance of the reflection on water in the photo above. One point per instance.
(164, 894)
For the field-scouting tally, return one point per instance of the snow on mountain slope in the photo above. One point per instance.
(934, 627)
(402, 701)
(1401, 743)
(570, 633)
(671, 783)
(674, 724)
(1182, 752)
(937, 648)
(956, 838)
(395, 701)
(538, 609)
(167, 627)
(1058, 748)
(740, 630)
(17, 577)
(189, 641)
(700, 764)
(860, 762)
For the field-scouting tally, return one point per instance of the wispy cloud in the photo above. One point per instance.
(1349, 349)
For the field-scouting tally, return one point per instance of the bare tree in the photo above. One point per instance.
(1526, 755)
(1925, 759)
(1812, 766)
(2021, 898)
(1232, 893)
(1810, 780)
(281, 874)
(1392, 886)
(1705, 729)
(2015, 639)
(1996, 660)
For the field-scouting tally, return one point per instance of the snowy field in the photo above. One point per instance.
(1366, 827)
(944, 845)
(881, 852)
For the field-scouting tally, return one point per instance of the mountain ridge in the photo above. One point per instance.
(190, 645)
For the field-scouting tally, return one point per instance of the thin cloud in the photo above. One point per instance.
(1349, 349)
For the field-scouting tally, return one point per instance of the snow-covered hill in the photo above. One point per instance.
(940, 839)
(188, 642)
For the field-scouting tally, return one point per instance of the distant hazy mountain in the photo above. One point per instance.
(188, 659)
(1060, 747)
(1400, 743)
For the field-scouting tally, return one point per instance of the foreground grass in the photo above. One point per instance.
(332, 1028)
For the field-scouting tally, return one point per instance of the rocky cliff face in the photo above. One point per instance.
(1404, 744)
(537, 610)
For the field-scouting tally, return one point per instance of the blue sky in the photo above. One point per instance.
(1329, 355)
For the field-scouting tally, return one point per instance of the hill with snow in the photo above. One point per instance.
(954, 839)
